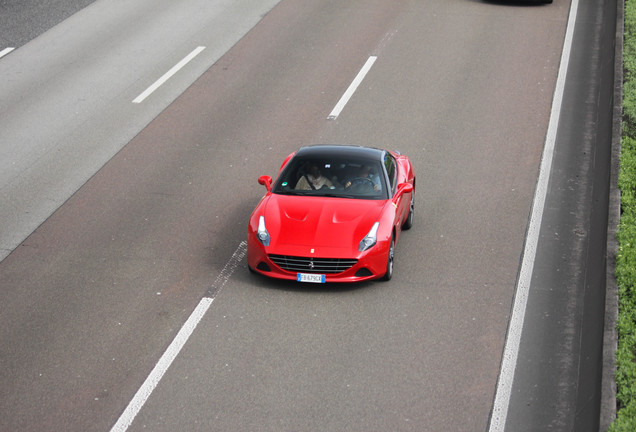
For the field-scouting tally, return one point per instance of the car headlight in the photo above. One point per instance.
(261, 232)
(370, 239)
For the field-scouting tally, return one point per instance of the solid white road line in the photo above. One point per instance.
(352, 88)
(142, 395)
(168, 74)
(6, 51)
(513, 339)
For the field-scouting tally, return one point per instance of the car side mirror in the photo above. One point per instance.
(266, 181)
(402, 189)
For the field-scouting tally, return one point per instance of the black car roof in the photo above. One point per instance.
(348, 151)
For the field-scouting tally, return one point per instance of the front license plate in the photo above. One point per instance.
(310, 277)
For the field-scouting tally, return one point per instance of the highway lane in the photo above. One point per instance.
(120, 266)
(66, 104)
(421, 353)
(65, 97)
(557, 383)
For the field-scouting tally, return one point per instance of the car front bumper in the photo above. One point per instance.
(370, 264)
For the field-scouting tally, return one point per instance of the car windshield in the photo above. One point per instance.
(333, 177)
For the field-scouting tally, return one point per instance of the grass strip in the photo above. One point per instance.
(626, 236)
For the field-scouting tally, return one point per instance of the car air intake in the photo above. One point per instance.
(312, 264)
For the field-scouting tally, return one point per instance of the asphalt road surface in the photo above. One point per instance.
(23, 20)
(119, 215)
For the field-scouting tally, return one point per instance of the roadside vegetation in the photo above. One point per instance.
(626, 257)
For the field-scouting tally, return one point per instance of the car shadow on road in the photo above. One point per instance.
(293, 286)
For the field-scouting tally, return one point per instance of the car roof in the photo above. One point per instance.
(349, 151)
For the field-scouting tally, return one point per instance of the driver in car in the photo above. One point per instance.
(365, 173)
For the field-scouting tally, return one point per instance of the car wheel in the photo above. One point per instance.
(389, 263)
(408, 223)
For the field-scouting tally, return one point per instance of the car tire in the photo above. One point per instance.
(408, 223)
(390, 261)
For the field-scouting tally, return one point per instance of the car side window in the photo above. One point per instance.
(391, 169)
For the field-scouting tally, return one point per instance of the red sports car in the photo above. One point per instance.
(334, 214)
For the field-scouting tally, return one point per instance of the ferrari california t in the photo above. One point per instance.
(334, 214)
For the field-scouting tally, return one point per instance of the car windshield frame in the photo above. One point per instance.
(345, 178)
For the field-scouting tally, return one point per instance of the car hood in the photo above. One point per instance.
(318, 221)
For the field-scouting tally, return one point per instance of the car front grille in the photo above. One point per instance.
(312, 264)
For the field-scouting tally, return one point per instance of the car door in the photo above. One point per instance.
(397, 174)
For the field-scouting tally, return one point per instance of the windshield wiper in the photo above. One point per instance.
(290, 192)
(338, 195)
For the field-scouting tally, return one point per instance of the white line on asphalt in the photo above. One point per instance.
(168, 74)
(142, 395)
(6, 51)
(352, 88)
(513, 339)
